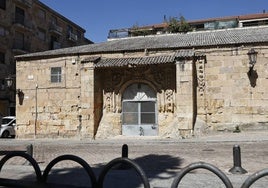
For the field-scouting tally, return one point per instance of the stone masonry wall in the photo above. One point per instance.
(228, 98)
(212, 92)
(53, 109)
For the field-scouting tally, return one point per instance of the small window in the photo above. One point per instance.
(55, 75)
(2, 31)
(19, 15)
(79, 36)
(54, 20)
(42, 34)
(3, 85)
(3, 4)
(42, 14)
(54, 44)
(19, 41)
(2, 58)
(70, 29)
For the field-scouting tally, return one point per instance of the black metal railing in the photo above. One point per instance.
(41, 178)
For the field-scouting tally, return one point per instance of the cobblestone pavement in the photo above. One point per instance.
(161, 159)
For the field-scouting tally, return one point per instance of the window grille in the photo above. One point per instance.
(56, 75)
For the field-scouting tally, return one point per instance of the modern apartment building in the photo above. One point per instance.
(248, 20)
(28, 26)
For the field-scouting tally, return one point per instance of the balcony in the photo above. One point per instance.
(54, 28)
(21, 23)
(20, 47)
(72, 37)
(118, 33)
(25, 3)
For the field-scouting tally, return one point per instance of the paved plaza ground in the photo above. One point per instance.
(161, 159)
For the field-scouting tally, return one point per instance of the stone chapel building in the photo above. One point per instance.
(173, 85)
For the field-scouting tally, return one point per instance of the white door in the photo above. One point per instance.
(139, 115)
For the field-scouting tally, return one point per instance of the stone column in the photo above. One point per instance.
(87, 99)
(184, 97)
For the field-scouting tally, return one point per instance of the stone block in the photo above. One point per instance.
(54, 109)
(226, 70)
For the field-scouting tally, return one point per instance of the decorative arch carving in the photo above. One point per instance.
(161, 78)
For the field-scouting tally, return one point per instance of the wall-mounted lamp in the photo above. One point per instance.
(9, 81)
(252, 74)
(252, 55)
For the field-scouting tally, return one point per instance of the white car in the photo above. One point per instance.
(7, 128)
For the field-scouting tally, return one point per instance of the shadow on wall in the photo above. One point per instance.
(20, 96)
(252, 76)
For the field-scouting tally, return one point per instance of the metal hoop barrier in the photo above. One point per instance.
(123, 161)
(254, 177)
(203, 165)
(41, 180)
(28, 158)
(74, 158)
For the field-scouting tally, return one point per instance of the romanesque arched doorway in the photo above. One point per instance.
(139, 111)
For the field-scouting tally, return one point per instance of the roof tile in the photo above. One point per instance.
(237, 36)
(146, 60)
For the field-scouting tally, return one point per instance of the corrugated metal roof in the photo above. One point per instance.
(237, 36)
(146, 60)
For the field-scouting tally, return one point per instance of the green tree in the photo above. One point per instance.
(178, 26)
(173, 25)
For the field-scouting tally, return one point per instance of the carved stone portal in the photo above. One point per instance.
(160, 78)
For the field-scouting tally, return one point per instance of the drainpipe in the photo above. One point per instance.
(36, 113)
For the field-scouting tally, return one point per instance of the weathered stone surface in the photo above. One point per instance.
(212, 93)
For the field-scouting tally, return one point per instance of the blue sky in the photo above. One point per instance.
(97, 17)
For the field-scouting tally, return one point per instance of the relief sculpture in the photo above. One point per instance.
(162, 78)
(108, 101)
(201, 77)
(169, 102)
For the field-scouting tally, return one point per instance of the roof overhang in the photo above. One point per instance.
(145, 60)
